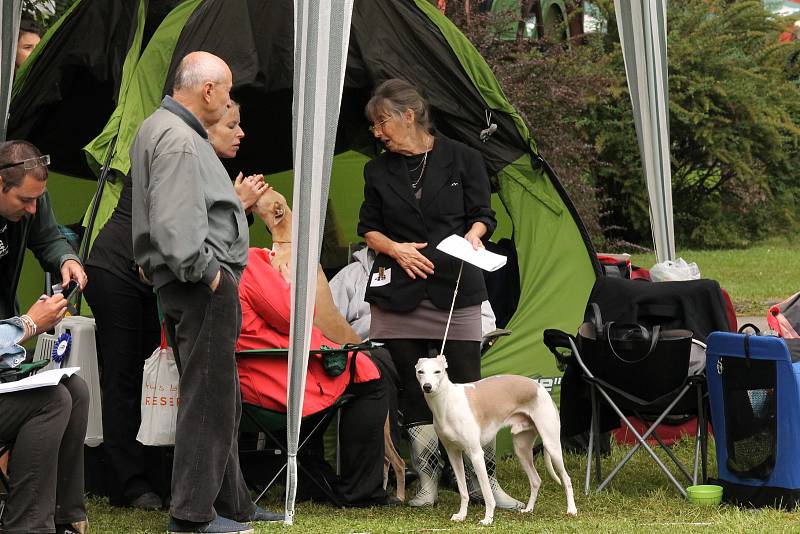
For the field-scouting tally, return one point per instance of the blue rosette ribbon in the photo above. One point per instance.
(61, 349)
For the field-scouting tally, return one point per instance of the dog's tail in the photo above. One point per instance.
(548, 464)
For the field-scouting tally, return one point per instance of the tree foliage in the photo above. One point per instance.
(733, 129)
(553, 87)
(734, 116)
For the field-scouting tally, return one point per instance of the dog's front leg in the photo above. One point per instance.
(479, 465)
(457, 462)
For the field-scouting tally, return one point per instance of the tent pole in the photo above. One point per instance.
(87, 235)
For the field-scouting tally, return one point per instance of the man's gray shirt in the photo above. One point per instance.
(187, 219)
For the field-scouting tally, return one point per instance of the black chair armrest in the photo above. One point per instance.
(558, 343)
(23, 371)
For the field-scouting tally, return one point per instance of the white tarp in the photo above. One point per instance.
(10, 12)
(643, 33)
(322, 36)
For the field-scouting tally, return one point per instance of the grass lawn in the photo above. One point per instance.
(640, 500)
(755, 278)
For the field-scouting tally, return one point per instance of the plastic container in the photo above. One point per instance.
(704, 495)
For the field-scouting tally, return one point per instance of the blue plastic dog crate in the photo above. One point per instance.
(754, 390)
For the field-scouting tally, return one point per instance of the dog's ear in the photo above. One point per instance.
(442, 359)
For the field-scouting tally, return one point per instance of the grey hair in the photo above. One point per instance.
(195, 69)
(394, 97)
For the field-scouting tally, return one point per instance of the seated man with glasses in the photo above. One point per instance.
(27, 221)
(45, 428)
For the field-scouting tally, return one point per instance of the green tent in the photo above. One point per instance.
(106, 65)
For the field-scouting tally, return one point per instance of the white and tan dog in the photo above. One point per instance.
(467, 416)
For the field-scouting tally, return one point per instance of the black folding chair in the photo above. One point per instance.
(677, 399)
(273, 424)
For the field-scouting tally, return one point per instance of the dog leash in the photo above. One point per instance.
(452, 305)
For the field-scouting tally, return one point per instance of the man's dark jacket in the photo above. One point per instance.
(456, 193)
(40, 234)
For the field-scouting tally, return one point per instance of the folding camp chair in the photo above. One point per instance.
(490, 338)
(675, 400)
(273, 424)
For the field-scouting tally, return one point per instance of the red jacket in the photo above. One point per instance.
(266, 309)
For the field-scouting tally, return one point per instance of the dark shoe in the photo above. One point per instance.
(261, 515)
(67, 529)
(219, 525)
(147, 501)
(388, 501)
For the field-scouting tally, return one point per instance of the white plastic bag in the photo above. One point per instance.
(160, 398)
(673, 271)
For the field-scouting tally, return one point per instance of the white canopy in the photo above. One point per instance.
(643, 34)
(322, 36)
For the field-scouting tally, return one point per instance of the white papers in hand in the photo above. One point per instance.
(461, 248)
(50, 377)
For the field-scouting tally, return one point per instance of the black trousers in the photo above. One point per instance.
(127, 333)
(203, 326)
(361, 443)
(47, 426)
(463, 365)
(362, 447)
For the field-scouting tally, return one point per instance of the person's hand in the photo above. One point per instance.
(285, 271)
(48, 312)
(143, 277)
(409, 257)
(474, 235)
(215, 282)
(249, 189)
(73, 270)
(474, 240)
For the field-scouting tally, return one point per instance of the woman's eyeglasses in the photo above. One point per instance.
(30, 163)
(379, 126)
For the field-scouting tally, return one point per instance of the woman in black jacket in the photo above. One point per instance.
(424, 188)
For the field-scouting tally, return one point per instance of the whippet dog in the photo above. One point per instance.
(467, 416)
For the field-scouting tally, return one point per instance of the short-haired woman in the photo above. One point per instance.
(424, 188)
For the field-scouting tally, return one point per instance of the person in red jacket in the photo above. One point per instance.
(265, 297)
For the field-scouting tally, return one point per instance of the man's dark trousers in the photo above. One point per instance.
(203, 327)
(47, 427)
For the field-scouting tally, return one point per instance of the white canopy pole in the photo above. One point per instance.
(10, 13)
(322, 36)
(643, 35)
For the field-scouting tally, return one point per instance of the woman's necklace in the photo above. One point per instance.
(415, 169)
(423, 164)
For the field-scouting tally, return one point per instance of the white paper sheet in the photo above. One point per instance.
(461, 248)
(42, 379)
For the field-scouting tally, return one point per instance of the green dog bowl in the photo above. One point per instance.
(705, 495)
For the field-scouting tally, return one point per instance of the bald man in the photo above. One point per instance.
(190, 238)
